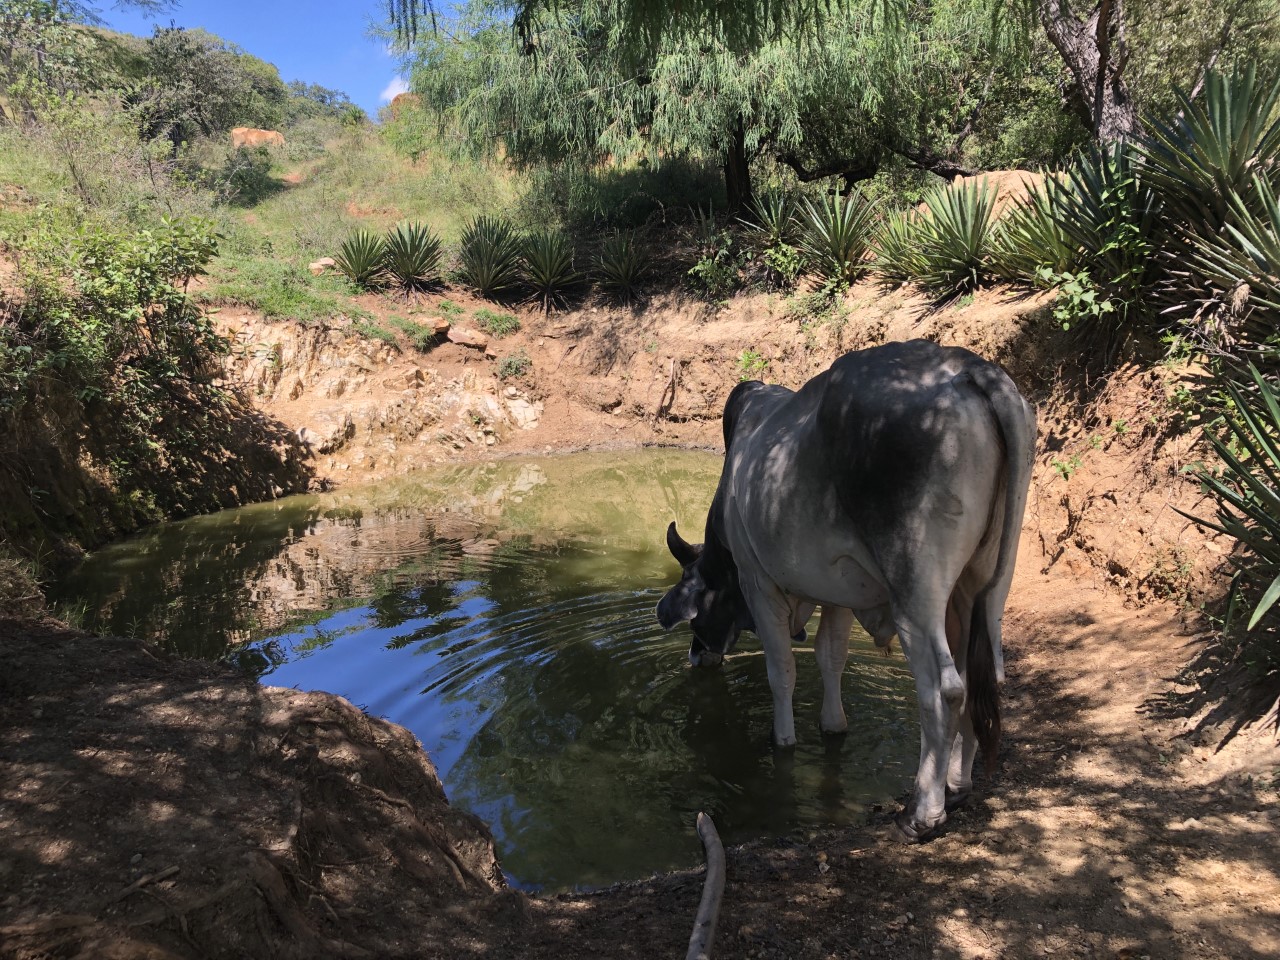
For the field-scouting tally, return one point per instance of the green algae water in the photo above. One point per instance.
(504, 612)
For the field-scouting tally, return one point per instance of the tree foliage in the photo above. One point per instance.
(574, 89)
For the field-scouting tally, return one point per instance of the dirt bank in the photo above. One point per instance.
(1134, 812)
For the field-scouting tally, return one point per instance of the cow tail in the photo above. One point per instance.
(985, 666)
(983, 691)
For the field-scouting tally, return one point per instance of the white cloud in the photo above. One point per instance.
(397, 86)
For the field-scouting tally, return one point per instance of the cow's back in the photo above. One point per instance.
(896, 422)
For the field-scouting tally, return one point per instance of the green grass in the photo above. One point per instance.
(422, 337)
(278, 288)
(360, 181)
(372, 330)
(498, 324)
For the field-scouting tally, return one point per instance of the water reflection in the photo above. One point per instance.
(504, 613)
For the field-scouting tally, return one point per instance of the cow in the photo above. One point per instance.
(890, 489)
(249, 137)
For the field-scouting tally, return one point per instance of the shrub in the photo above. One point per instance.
(412, 255)
(548, 266)
(490, 256)
(498, 324)
(836, 234)
(362, 259)
(621, 266)
(517, 364)
(717, 272)
(1113, 219)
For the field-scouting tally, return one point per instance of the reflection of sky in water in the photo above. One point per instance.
(522, 650)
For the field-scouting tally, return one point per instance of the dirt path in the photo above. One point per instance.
(1119, 824)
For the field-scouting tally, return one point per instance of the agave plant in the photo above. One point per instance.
(1246, 255)
(1113, 218)
(835, 236)
(412, 255)
(1208, 152)
(773, 220)
(490, 256)
(621, 265)
(548, 266)
(361, 258)
(1029, 241)
(1247, 490)
(954, 235)
(896, 247)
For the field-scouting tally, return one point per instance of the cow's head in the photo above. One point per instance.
(708, 596)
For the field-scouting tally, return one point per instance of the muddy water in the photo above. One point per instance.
(504, 613)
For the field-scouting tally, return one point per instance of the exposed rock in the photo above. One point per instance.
(329, 433)
(468, 338)
(524, 413)
(318, 267)
(440, 326)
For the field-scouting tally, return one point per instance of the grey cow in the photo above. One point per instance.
(890, 488)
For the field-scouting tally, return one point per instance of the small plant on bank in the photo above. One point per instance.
(413, 254)
(751, 364)
(497, 324)
(361, 258)
(621, 266)
(491, 257)
(449, 310)
(717, 273)
(835, 236)
(517, 364)
(548, 267)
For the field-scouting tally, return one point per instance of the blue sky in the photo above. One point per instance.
(319, 41)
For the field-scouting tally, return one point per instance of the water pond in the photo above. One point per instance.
(503, 612)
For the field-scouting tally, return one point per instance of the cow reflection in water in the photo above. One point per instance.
(890, 488)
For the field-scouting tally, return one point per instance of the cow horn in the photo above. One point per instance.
(684, 552)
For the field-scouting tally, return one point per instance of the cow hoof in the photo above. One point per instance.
(957, 798)
(911, 830)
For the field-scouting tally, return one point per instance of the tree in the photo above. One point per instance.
(199, 85)
(1106, 45)
(574, 90)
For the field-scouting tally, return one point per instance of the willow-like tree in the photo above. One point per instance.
(1120, 54)
(572, 87)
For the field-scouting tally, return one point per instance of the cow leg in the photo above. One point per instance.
(940, 692)
(772, 615)
(960, 770)
(831, 646)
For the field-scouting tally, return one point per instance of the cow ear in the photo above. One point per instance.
(679, 604)
(685, 553)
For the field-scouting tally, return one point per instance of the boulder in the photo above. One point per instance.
(320, 266)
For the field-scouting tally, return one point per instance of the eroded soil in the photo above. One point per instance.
(1134, 812)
